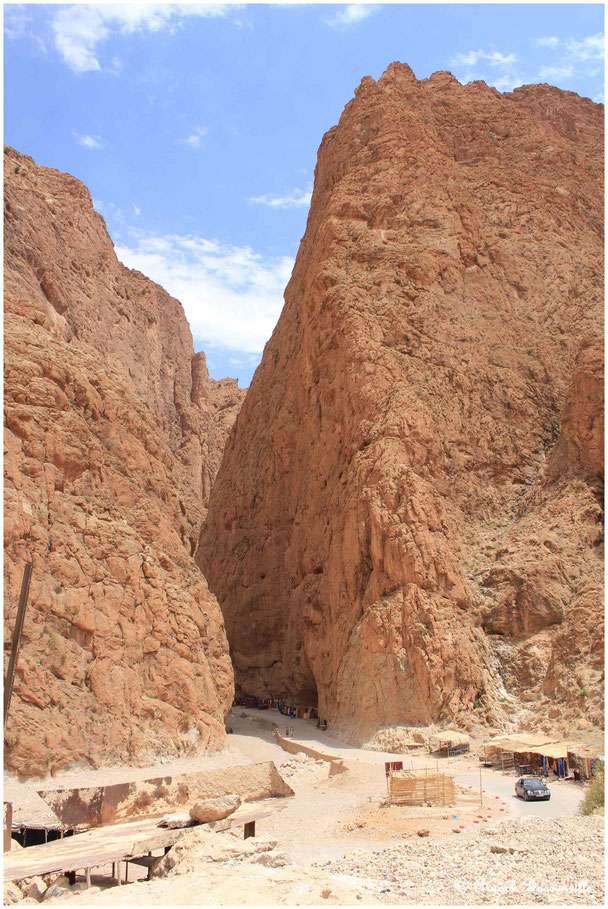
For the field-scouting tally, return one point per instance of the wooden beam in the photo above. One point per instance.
(12, 663)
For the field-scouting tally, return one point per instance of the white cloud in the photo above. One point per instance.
(87, 141)
(15, 22)
(232, 295)
(494, 58)
(112, 213)
(299, 197)
(599, 98)
(590, 48)
(194, 141)
(507, 83)
(78, 29)
(350, 15)
(136, 210)
(556, 72)
(16, 25)
(548, 41)
(576, 58)
(504, 77)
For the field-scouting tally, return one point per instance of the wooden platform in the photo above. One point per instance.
(116, 843)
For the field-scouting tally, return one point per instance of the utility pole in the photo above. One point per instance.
(12, 663)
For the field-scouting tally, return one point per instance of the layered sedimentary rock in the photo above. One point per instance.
(113, 434)
(407, 522)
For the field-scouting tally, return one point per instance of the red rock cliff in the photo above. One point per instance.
(398, 525)
(113, 435)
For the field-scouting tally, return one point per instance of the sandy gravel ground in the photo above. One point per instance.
(528, 860)
(345, 840)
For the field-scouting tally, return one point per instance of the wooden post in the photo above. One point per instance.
(12, 663)
(8, 825)
(88, 876)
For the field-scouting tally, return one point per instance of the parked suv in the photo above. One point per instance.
(530, 787)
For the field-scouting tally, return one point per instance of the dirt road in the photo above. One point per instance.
(564, 801)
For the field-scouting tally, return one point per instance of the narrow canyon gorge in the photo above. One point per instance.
(399, 522)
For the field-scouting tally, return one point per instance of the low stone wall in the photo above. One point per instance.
(101, 805)
(337, 765)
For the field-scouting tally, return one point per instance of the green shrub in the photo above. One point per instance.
(593, 802)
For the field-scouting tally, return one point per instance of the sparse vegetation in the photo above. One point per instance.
(583, 693)
(593, 802)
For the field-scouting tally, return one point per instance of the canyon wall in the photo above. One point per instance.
(407, 522)
(113, 435)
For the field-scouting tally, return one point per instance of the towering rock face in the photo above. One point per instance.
(113, 435)
(399, 525)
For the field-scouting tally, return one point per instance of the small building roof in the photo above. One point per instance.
(554, 751)
(520, 743)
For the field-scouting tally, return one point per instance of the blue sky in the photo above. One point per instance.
(196, 126)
